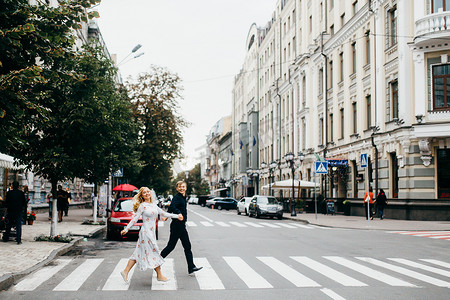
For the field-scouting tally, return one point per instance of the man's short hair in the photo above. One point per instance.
(15, 185)
(59, 186)
(180, 182)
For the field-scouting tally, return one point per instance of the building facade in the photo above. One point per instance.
(336, 79)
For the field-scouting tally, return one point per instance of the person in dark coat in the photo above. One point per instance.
(62, 199)
(381, 203)
(178, 229)
(16, 204)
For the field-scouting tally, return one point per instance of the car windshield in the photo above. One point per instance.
(125, 205)
(267, 200)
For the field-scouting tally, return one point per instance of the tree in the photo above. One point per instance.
(34, 40)
(155, 97)
(199, 185)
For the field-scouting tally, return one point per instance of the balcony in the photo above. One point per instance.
(432, 29)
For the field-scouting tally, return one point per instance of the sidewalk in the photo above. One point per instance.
(355, 222)
(17, 261)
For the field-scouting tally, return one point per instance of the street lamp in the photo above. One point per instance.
(136, 48)
(289, 157)
(272, 167)
(263, 166)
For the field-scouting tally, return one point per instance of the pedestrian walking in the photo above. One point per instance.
(15, 204)
(146, 254)
(69, 200)
(62, 202)
(381, 202)
(368, 203)
(49, 200)
(178, 229)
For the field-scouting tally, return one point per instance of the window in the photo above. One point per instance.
(332, 29)
(331, 4)
(394, 89)
(355, 117)
(354, 58)
(368, 47)
(342, 123)
(441, 86)
(355, 7)
(440, 5)
(331, 128)
(303, 133)
(330, 74)
(310, 24)
(321, 131)
(343, 20)
(341, 66)
(320, 81)
(369, 111)
(304, 92)
(391, 27)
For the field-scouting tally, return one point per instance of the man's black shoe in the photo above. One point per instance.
(18, 243)
(195, 270)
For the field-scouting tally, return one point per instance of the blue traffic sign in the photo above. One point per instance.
(364, 160)
(321, 167)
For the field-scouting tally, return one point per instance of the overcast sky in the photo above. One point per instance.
(203, 41)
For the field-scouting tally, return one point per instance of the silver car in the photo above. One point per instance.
(242, 206)
(265, 206)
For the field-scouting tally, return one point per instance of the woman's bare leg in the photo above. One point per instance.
(130, 264)
(159, 275)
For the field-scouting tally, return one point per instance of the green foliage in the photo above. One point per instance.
(155, 97)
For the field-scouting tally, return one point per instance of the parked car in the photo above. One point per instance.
(166, 202)
(193, 199)
(121, 215)
(222, 203)
(265, 206)
(202, 200)
(242, 206)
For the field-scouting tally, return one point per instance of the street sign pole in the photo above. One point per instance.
(315, 194)
(321, 167)
(364, 165)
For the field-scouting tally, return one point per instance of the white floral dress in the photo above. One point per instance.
(146, 253)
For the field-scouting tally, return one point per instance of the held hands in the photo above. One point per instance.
(123, 232)
(180, 217)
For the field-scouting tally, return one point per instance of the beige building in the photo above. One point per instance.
(336, 79)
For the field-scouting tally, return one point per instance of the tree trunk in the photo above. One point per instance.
(55, 208)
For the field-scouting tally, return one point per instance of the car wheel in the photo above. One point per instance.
(280, 217)
(238, 211)
(246, 212)
(250, 214)
(202, 205)
(258, 215)
(219, 207)
(110, 236)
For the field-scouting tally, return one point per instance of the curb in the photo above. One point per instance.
(7, 280)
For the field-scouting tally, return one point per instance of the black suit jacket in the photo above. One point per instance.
(178, 206)
(15, 202)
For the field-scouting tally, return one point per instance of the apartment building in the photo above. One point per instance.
(332, 80)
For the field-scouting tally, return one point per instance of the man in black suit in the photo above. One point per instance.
(178, 228)
(16, 204)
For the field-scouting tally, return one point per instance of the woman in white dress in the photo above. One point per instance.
(146, 255)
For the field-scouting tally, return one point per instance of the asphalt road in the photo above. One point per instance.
(248, 258)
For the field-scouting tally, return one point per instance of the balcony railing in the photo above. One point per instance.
(434, 23)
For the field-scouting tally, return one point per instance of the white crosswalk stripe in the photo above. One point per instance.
(390, 280)
(206, 223)
(421, 266)
(190, 224)
(32, 282)
(406, 272)
(223, 224)
(169, 271)
(238, 224)
(269, 225)
(115, 281)
(251, 278)
(207, 278)
(253, 275)
(253, 224)
(298, 279)
(328, 272)
(76, 279)
(301, 225)
(437, 262)
(441, 235)
(285, 225)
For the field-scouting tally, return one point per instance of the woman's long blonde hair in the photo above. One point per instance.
(139, 198)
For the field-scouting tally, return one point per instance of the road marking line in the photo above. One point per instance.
(168, 270)
(331, 294)
(207, 224)
(115, 281)
(253, 224)
(421, 266)
(302, 226)
(190, 224)
(238, 224)
(437, 262)
(76, 279)
(390, 280)
(297, 278)
(207, 278)
(285, 225)
(328, 272)
(270, 225)
(406, 272)
(194, 212)
(33, 281)
(223, 224)
(252, 279)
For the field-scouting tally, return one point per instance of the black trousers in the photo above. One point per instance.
(178, 232)
(14, 220)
